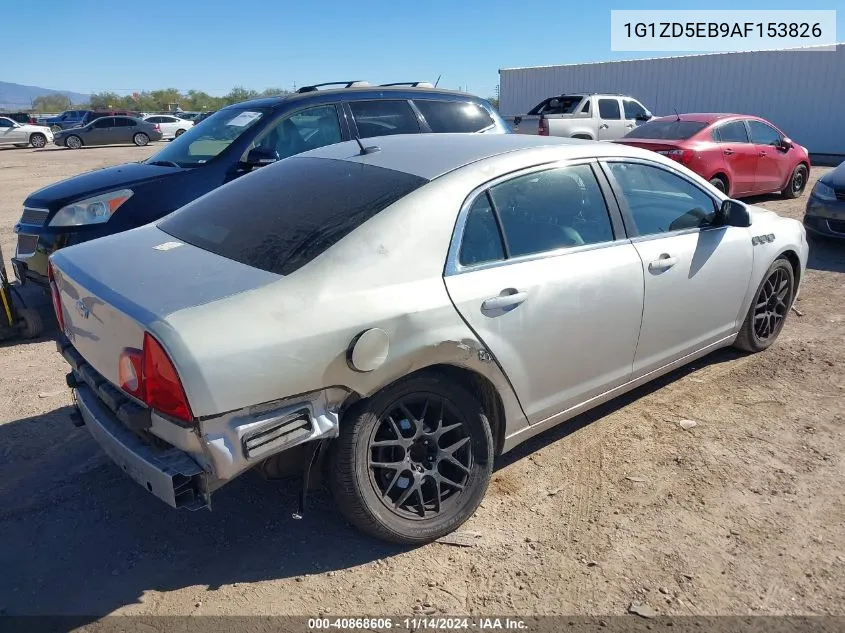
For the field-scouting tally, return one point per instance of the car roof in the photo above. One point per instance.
(703, 117)
(432, 155)
(356, 92)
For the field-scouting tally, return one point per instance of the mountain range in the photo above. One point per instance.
(19, 97)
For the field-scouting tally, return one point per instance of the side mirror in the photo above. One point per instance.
(786, 143)
(260, 156)
(733, 213)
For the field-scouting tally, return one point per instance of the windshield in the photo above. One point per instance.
(283, 216)
(205, 141)
(667, 130)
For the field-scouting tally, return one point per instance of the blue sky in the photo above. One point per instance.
(213, 45)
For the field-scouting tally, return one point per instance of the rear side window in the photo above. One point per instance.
(667, 130)
(733, 132)
(283, 216)
(382, 118)
(154, 119)
(482, 241)
(609, 109)
(454, 116)
(105, 121)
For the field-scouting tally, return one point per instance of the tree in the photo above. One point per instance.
(51, 103)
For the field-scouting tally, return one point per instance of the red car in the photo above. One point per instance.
(739, 154)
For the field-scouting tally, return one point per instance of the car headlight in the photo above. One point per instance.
(823, 191)
(96, 210)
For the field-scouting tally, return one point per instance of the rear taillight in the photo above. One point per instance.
(683, 156)
(54, 294)
(158, 129)
(543, 126)
(150, 376)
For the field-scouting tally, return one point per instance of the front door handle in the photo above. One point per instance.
(508, 298)
(604, 126)
(762, 154)
(728, 152)
(664, 262)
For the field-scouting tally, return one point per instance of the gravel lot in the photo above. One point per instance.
(742, 514)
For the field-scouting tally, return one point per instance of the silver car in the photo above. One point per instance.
(109, 130)
(407, 309)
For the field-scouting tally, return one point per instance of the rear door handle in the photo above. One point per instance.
(728, 152)
(762, 154)
(630, 126)
(604, 126)
(508, 298)
(664, 262)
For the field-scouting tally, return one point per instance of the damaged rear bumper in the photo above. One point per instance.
(169, 474)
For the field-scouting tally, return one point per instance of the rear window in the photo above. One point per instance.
(564, 104)
(281, 217)
(454, 116)
(667, 130)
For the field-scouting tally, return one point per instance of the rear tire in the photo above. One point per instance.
(38, 140)
(442, 473)
(141, 139)
(32, 324)
(797, 183)
(73, 142)
(179, 133)
(769, 308)
(720, 183)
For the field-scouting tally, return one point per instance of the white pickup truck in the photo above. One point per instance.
(594, 116)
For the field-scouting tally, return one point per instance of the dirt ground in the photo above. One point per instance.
(742, 514)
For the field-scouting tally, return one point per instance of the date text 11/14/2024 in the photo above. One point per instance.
(417, 623)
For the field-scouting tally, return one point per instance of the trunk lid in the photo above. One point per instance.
(115, 288)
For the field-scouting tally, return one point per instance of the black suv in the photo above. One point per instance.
(231, 142)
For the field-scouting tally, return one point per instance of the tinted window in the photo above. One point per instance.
(281, 217)
(661, 201)
(733, 132)
(5, 123)
(105, 121)
(154, 119)
(564, 104)
(762, 134)
(586, 108)
(669, 130)
(552, 209)
(124, 122)
(381, 118)
(304, 130)
(609, 108)
(454, 116)
(482, 241)
(633, 109)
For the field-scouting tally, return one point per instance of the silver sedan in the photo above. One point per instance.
(404, 310)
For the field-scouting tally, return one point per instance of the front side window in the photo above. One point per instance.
(5, 123)
(454, 116)
(154, 119)
(609, 109)
(302, 131)
(124, 122)
(660, 201)
(281, 217)
(733, 132)
(104, 122)
(545, 211)
(382, 118)
(203, 143)
(634, 110)
(762, 134)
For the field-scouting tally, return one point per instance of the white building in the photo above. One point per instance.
(802, 91)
